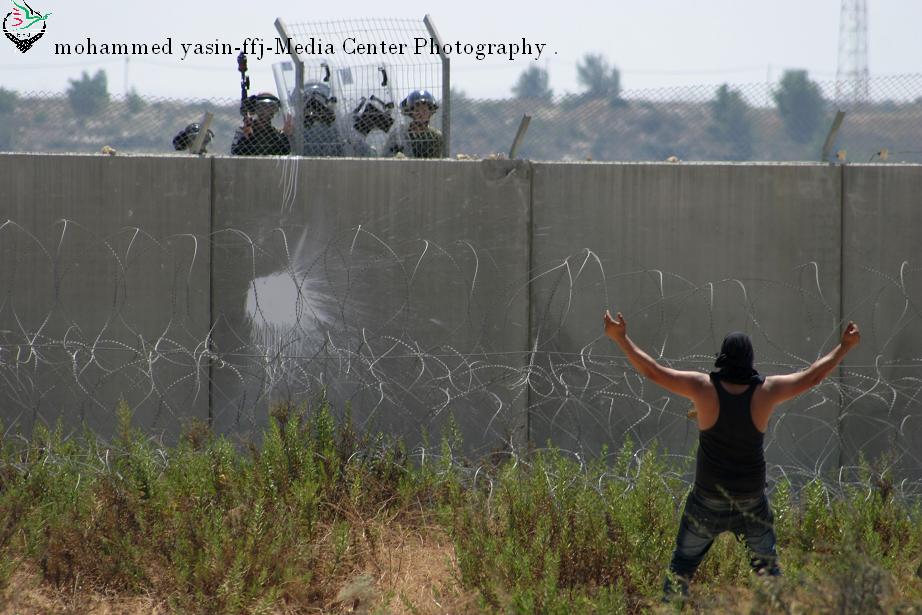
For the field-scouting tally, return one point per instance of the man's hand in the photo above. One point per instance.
(247, 126)
(289, 126)
(851, 336)
(616, 328)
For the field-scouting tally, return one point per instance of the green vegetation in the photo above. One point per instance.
(599, 78)
(533, 85)
(133, 102)
(310, 520)
(800, 105)
(8, 101)
(601, 122)
(88, 95)
(730, 124)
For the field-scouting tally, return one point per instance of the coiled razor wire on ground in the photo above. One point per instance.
(80, 332)
(741, 122)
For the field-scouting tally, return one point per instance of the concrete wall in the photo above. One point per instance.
(104, 289)
(419, 290)
(688, 253)
(882, 291)
(390, 284)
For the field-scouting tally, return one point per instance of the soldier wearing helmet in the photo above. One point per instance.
(321, 136)
(371, 113)
(257, 136)
(186, 137)
(417, 139)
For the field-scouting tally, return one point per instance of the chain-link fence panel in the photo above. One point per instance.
(384, 105)
(787, 121)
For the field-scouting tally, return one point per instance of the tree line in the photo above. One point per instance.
(597, 121)
(798, 99)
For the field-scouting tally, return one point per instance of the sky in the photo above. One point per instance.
(654, 44)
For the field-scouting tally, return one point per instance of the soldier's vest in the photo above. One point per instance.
(426, 144)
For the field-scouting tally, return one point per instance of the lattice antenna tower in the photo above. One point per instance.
(852, 71)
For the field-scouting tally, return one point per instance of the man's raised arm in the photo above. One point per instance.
(783, 388)
(687, 384)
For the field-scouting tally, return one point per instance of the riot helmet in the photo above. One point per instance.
(371, 113)
(186, 137)
(264, 105)
(418, 96)
(318, 103)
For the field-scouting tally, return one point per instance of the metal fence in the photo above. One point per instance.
(753, 122)
(394, 63)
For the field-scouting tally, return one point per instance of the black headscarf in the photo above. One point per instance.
(736, 360)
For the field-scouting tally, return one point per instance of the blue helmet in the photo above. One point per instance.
(416, 97)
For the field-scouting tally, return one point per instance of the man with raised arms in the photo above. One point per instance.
(734, 405)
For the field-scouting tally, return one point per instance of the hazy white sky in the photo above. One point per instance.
(658, 43)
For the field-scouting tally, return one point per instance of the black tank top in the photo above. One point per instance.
(730, 456)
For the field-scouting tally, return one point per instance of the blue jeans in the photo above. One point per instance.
(706, 516)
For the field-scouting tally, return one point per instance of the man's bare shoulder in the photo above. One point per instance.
(702, 382)
(779, 381)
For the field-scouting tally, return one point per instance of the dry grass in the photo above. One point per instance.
(414, 571)
(408, 571)
(26, 593)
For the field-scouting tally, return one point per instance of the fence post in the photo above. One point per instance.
(831, 137)
(297, 135)
(446, 87)
(519, 135)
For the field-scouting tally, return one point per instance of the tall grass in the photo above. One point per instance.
(211, 526)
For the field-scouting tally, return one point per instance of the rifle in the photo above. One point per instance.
(244, 82)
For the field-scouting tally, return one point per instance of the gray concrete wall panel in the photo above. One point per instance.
(419, 290)
(882, 291)
(688, 253)
(103, 290)
(399, 286)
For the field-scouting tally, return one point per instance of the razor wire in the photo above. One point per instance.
(709, 122)
(303, 323)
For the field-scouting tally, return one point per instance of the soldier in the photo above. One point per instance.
(371, 113)
(257, 136)
(186, 137)
(321, 136)
(417, 139)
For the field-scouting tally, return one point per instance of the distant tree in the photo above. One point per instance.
(463, 111)
(88, 95)
(800, 105)
(7, 136)
(533, 83)
(599, 78)
(730, 125)
(134, 101)
(457, 94)
(8, 100)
